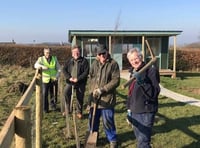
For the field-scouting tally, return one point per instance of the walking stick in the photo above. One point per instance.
(73, 104)
(68, 132)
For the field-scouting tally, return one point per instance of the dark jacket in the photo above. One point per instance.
(107, 77)
(143, 96)
(82, 72)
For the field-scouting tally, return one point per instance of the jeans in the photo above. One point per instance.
(143, 124)
(108, 123)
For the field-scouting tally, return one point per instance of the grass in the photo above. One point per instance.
(185, 83)
(177, 124)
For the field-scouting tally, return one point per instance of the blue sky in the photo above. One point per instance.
(26, 21)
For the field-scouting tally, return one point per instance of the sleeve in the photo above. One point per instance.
(65, 69)
(115, 78)
(38, 63)
(85, 71)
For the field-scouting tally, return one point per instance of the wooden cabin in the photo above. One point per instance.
(120, 41)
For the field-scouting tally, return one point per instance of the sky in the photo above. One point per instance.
(37, 21)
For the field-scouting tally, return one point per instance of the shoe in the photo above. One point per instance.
(79, 115)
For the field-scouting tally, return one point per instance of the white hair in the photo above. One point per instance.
(134, 50)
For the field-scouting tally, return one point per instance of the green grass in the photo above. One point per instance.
(177, 124)
(185, 83)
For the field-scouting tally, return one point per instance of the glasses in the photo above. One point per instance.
(102, 53)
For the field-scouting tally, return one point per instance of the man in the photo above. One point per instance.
(104, 79)
(50, 74)
(76, 71)
(142, 103)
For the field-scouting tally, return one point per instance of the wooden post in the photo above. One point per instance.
(61, 95)
(22, 127)
(110, 44)
(38, 112)
(143, 51)
(174, 64)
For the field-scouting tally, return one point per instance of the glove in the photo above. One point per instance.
(138, 78)
(129, 113)
(97, 93)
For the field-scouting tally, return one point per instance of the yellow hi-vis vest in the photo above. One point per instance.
(49, 74)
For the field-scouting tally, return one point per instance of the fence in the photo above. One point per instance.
(17, 126)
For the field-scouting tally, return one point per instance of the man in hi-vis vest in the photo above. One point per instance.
(50, 74)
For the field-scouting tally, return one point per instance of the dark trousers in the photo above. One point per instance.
(47, 87)
(54, 91)
(79, 90)
(143, 124)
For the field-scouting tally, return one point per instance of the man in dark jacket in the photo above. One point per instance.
(142, 103)
(104, 78)
(76, 71)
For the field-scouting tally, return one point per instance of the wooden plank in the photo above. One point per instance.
(8, 131)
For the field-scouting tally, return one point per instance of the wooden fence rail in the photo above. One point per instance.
(8, 132)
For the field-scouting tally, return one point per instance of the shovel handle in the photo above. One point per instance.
(93, 116)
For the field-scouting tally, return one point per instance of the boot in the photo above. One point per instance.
(113, 144)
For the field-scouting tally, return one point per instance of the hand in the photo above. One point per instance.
(88, 108)
(54, 79)
(97, 93)
(74, 80)
(44, 67)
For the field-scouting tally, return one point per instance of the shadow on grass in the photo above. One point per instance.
(184, 75)
(181, 124)
(193, 144)
(122, 138)
(121, 95)
(171, 104)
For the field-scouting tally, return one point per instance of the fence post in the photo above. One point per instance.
(23, 127)
(61, 86)
(38, 112)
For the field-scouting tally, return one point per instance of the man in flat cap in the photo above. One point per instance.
(104, 78)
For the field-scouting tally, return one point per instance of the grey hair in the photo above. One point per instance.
(134, 50)
(49, 49)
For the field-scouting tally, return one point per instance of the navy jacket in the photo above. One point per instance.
(143, 96)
